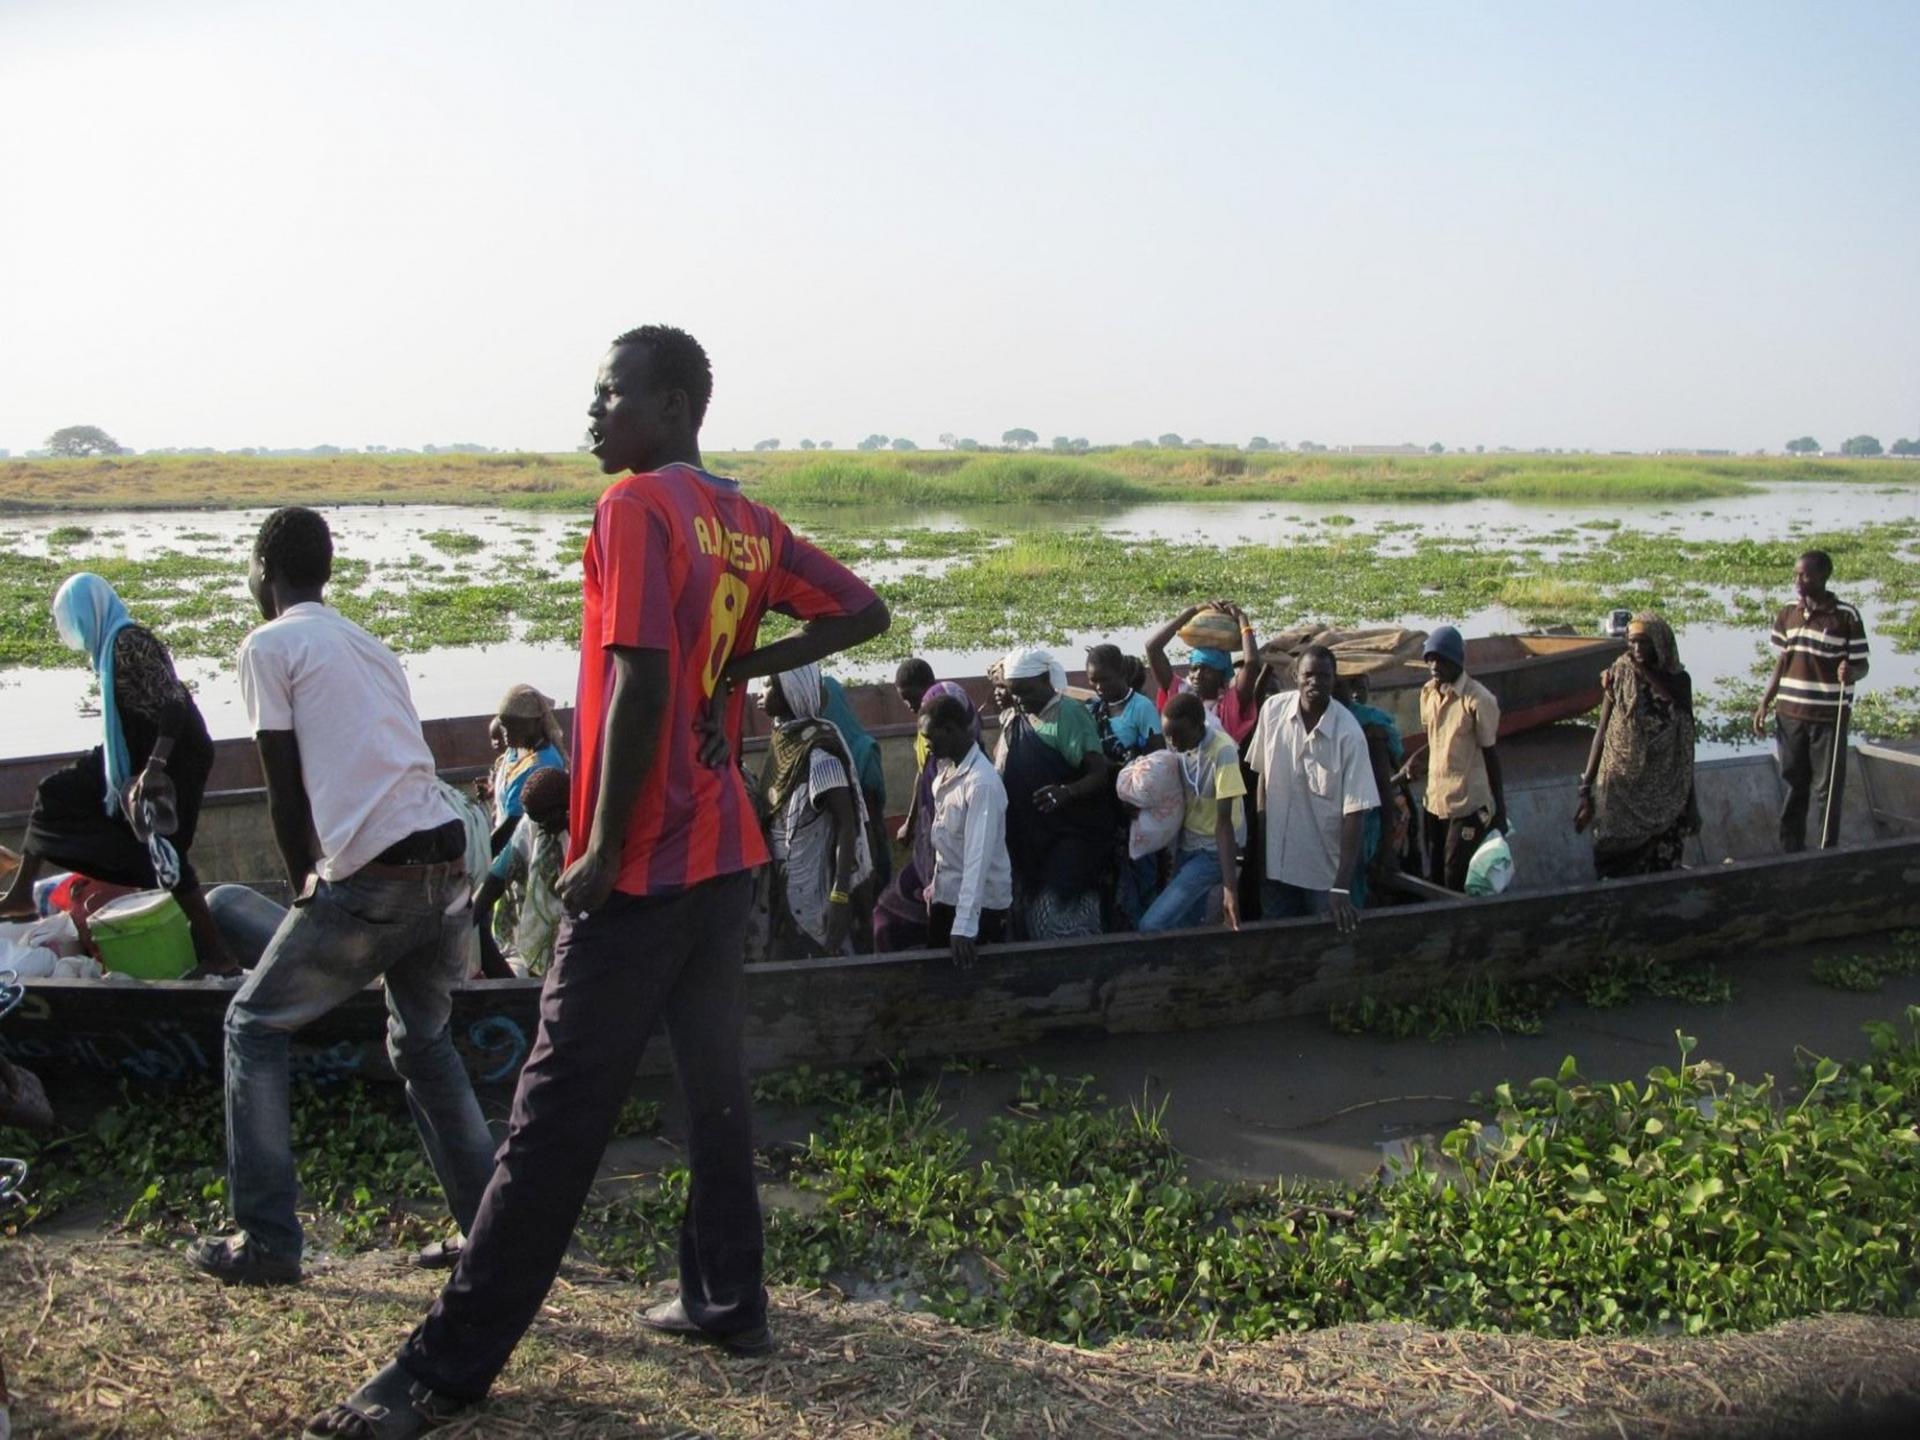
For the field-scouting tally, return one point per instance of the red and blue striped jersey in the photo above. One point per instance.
(682, 562)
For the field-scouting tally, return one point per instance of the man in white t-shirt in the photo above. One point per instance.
(1316, 786)
(376, 862)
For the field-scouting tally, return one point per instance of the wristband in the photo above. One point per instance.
(159, 760)
(1336, 890)
(839, 897)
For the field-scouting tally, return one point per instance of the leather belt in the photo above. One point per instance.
(450, 869)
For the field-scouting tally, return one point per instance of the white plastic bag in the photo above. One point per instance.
(1491, 869)
(29, 962)
(54, 932)
(1156, 788)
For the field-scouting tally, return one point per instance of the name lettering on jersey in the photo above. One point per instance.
(751, 553)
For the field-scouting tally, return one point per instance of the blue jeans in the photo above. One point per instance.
(412, 931)
(1196, 875)
(1281, 901)
(246, 920)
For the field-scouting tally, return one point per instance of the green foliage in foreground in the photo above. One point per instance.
(163, 1154)
(1690, 1201)
(1520, 1007)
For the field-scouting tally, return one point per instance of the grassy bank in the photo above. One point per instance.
(1688, 1201)
(191, 1359)
(917, 479)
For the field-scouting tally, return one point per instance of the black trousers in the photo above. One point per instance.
(993, 926)
(613, 975)
(1807, 750)
(1450, 846)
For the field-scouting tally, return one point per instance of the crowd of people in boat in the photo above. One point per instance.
(1257, 782)
(1153, 802)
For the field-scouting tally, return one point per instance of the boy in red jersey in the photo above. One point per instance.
(679, 570)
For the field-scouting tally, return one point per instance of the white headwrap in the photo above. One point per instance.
(801, 688)
(1024, 664)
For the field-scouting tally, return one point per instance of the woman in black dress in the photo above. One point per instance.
(125, 812)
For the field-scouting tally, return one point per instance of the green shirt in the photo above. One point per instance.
(1068, 728)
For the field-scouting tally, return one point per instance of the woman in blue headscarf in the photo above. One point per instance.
(125, 812)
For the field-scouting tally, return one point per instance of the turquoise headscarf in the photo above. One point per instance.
(862, 746)
(89, 616)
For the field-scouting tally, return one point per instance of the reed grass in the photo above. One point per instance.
(1119, 476)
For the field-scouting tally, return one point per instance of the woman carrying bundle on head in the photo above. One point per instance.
(816, 822)
(1637, 789)
(1224, 668)
(126, 811)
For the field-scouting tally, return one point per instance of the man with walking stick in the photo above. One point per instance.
(1822, 649)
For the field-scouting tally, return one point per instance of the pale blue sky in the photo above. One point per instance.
(1618, 225)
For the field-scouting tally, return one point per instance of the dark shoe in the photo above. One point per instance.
(233, 1260)
(390, 1406)
(671, 1318)
(441, 1255)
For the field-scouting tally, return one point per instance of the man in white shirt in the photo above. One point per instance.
(972, 887)
(376, 862)
(1316, 786)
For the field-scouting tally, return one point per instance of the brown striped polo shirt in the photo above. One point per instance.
(1814, 643)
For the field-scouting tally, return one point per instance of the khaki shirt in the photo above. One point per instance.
(1462, 719)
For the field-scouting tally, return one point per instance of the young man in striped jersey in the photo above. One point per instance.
(679, 571)
(1822, 649)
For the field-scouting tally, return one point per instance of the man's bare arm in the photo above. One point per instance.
(288, 808)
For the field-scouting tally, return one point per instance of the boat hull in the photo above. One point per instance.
(1738, 896)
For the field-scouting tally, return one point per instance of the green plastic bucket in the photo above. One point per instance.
(144, 935)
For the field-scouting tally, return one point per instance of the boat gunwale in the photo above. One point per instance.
(1008, 955)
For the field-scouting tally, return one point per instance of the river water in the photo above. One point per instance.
(49, 710)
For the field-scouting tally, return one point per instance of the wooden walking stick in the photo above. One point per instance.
(1838, 759)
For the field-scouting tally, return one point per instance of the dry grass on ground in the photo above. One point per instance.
(113, 1338)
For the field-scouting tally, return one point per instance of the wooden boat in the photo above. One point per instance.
(1737, 892)
(1538, 679)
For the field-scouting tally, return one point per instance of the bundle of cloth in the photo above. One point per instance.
(1355, 652)
(1154, 787)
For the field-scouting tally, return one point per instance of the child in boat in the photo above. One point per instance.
(530, 863)
(1205, 857)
